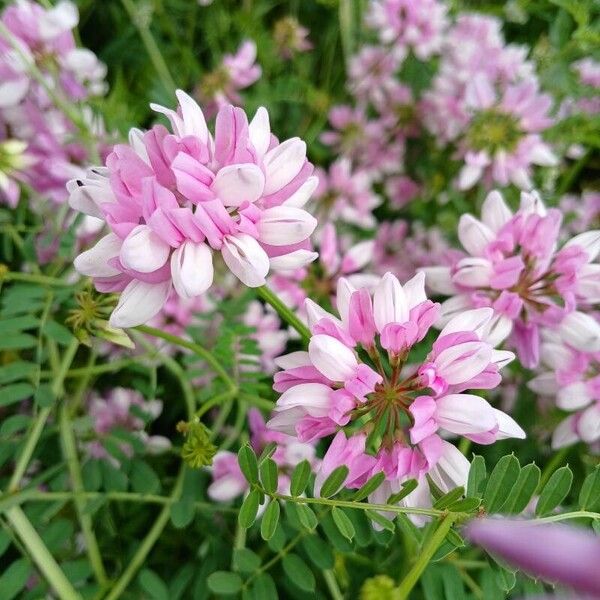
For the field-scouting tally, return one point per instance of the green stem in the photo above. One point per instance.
(63, 368)
(284, 312)
(27, 452)
(430, 512)
(332, 585)
(40, 554)
(34, 278)
(151, 46)
(87, 527)
(148, 542)
(176, 371)
(436, 540)
(33, 495)
(38, 425)
(195, 348)
(578, 514)
(571, 174)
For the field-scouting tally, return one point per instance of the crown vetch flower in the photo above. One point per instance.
(172, 199)
(38, 145)
(572, 377)
(359, 381)
(513, 265)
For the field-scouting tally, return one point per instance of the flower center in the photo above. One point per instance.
(492, 131)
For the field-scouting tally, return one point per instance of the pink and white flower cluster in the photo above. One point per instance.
(236, 72)
(409, 25)
(572, 378)
(387, 412)
(174, 198)
(486, 100)
(112, 411)
(38, 145)
(513, 264)
(229, 482)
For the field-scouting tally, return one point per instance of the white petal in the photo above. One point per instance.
(283, 225)
(474, 235)
(192, 269)
(507, 426)
(581, 331)
(475, 320)
(494, 211)
(573, 396)
(245, 259)
(332, 358)
(139, 302)
(94, 262)
(236, 184)
(302, 195)
(473, 272)
(143, 250)
(565, 433)
(464, 413)
(544, 384)
(260, 131)
(439, 280)
(193, 117)
(283, 163)
(293, 260)
(414, 289)
(589, 424)
(451, 470)
(345, 289)
(389, 302)
(293, 360)
(589, 241)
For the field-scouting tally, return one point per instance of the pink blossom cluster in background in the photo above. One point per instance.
(235, 73)
(117, 410)
(41, 69)
(172, 198)
(513, 264)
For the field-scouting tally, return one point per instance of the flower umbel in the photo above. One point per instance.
(362, 381)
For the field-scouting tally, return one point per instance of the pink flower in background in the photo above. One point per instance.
(486, 99)
(112, 411)
(589, 74)
(371, 74)
(290, 37)
(179, 313)
(236, 72)
(337, 258)
(582, 213)
(346, 194)
(50, 153)
(514, 266)
(572, 378)
(172, 199)
(229, 482)
(269, 336)
(409, 25)
(330, 389)
(404, 248)
(502, 140)
(557, 553)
